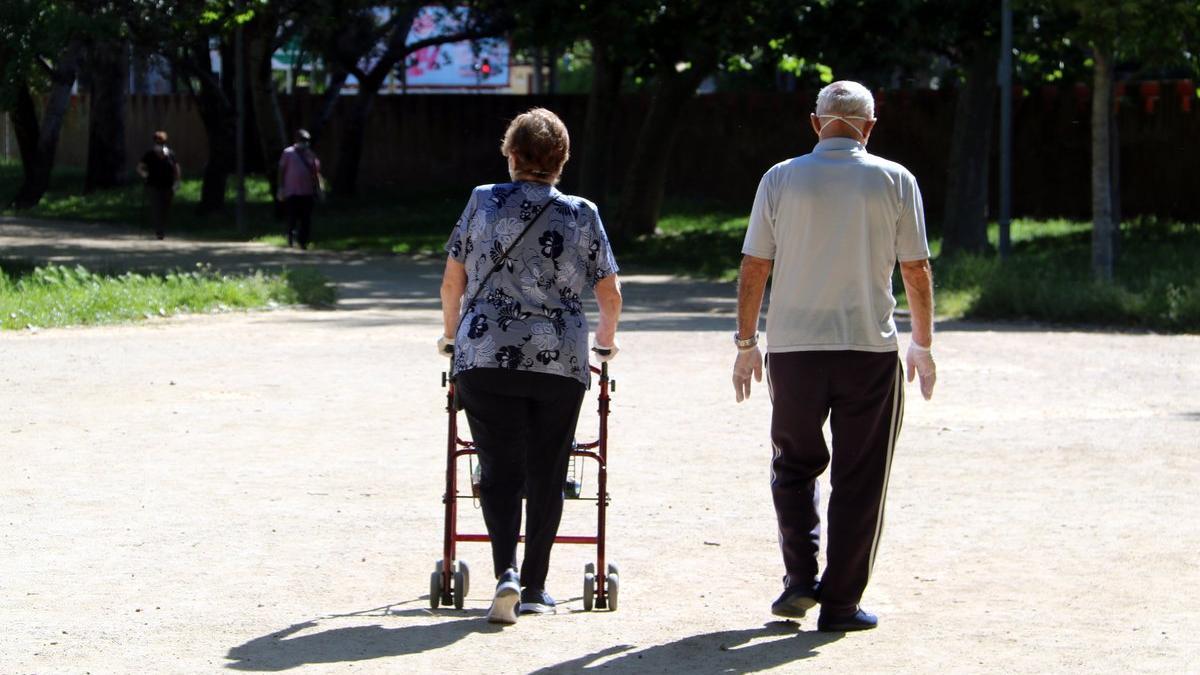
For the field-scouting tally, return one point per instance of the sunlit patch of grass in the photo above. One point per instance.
(54, 295)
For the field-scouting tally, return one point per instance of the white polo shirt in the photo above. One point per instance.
(835, 221)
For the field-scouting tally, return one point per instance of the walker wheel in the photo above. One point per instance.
(460, 589)
(589, 568)
(613, 581)
(589, 591)
(466, 573)
(435, 590)
(613, 570)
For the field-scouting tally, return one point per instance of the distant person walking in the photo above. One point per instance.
(831, 225)
(160, 171)
(299, 184)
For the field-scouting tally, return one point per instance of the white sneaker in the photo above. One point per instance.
(536, 601)
(508, 596)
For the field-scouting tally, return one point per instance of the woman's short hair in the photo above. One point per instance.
(846, 98)
(540, 143)
(160, 137)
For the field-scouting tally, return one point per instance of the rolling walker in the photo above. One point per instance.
(451, 578)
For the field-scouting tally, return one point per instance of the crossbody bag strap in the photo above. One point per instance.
(499, 262)
(312, 169)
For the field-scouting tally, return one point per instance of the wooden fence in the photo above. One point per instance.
(443, 143)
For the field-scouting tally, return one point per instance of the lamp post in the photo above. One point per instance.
(239, 142)
(1006, 90)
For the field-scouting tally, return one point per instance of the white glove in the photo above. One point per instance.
(919, 361)
(445, 346)
(749, 362)
(605, 354)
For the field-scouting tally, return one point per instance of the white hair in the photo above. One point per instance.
(846, 98)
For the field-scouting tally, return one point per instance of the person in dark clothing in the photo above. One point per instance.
(829, 228)
(160, 171)
(299, 183)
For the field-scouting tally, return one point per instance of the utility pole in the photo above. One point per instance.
(240, 143)
(1006, 95)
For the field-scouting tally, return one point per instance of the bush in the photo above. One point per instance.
(310, 287)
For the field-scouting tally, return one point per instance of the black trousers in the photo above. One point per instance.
(862, 395)
(523, 424)
(299, 219)
(159, 201)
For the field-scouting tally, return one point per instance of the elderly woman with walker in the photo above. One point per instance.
(519, 258)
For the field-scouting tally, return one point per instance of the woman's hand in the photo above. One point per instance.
(605, 351)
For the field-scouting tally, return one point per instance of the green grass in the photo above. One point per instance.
(707, 244)
(1048, 278)
(53, 295)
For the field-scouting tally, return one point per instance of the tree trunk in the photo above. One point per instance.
(1103, 258)
(607, 72)
(268, 118)
(964, 219)
(1114, 143)
(106, 161)
(220, 126)
(337, 79)
(646, 176)
(37, 176)
(537, 72)
(213, 99)
(26, 128)
(345, 182)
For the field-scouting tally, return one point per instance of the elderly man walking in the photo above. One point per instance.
(830, 226)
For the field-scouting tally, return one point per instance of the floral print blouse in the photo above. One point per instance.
(529, 315)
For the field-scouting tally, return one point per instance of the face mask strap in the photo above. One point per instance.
(846, 119)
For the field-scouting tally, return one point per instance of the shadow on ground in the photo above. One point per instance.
(284, 650)
(735, 651)
(732, 651)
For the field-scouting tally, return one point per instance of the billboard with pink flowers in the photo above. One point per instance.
(469, 63)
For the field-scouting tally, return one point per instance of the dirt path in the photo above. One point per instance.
(262, 492)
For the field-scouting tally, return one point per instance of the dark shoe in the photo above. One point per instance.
(794, 602)
(536, 601)
(508, 595)
(845, 623)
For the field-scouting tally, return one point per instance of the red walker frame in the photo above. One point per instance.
(450, 581)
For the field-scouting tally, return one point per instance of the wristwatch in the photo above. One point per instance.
(745, 343)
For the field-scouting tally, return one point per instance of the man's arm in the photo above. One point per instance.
(918, 285)
(752, 282)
